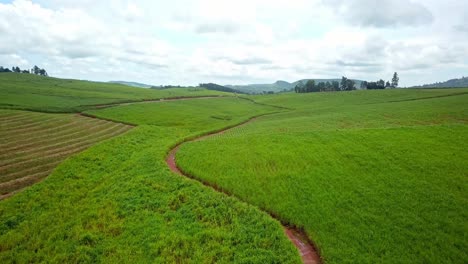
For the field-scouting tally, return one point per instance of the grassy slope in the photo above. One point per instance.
(118, 201)
(32, 92)
(34, 143)
(372, 176)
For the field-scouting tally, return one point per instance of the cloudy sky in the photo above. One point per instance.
(237, 42)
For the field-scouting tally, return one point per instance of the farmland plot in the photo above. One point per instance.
(33, 144)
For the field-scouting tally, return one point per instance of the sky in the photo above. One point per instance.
(187, 42)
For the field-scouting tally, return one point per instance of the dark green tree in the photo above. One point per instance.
(310, 86)
(299, 88)
(364, 85)
(344, 83)
(350, 85)
(320, 87)
(395, 80)
(36, 70)
(43, 72)
(336, 86)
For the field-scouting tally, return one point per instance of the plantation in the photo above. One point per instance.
(32, 92)
(34, 143)
(118, 201)
(372, 176)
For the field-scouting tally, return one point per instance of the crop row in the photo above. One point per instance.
(33, 144)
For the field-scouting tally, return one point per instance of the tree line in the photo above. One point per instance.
(381, 84)
(217, 87)
(310, 86)
(345, 85)
(35, 70)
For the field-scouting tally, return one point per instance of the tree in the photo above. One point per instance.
(36, 70)
(387, 84)
(381, 84)
(364, 85)
(299, 88)
(320, 87)
(328, 86)
(395, 80)
(350, 85)
(310, 86)
(4, 69)
(344, 83)
(43, 72)
(336, 86)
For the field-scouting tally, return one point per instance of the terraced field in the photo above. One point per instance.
(34, 143)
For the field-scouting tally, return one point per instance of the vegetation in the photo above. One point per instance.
(372, 176)
(284, 86)
(217, 87)
(453, 83)
(31, 92)
(345, 85)
(118, 201)
(35, 70)
(34, 143)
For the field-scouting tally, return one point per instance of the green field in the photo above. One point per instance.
(32, 92)
(33, 144)
(118, 201)
(372, 176)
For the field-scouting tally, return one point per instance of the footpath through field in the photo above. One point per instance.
(307, 250)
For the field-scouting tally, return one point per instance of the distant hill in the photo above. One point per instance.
(133, 84)
(279, 86)
(453, 83)
(217, 87)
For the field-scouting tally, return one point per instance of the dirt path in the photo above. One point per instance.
(305, 247)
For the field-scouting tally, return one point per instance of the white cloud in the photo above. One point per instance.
(187, 42)
(382, 13)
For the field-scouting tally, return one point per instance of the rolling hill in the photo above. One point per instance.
(453, 83)
(133, 84)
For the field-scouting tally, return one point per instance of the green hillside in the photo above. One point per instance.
(32, 92)
(453, 83)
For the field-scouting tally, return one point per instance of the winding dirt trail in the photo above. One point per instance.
(305, 247)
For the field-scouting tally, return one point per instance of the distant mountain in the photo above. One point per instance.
(453, 83)
(217, 87)
(280, 86)
(134, 84)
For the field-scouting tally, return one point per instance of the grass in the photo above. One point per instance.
(118, 202)
(371, 176)
(34, 143)
(46, 94)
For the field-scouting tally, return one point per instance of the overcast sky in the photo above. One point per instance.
(237, 42)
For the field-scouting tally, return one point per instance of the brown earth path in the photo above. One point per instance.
(307, 250)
